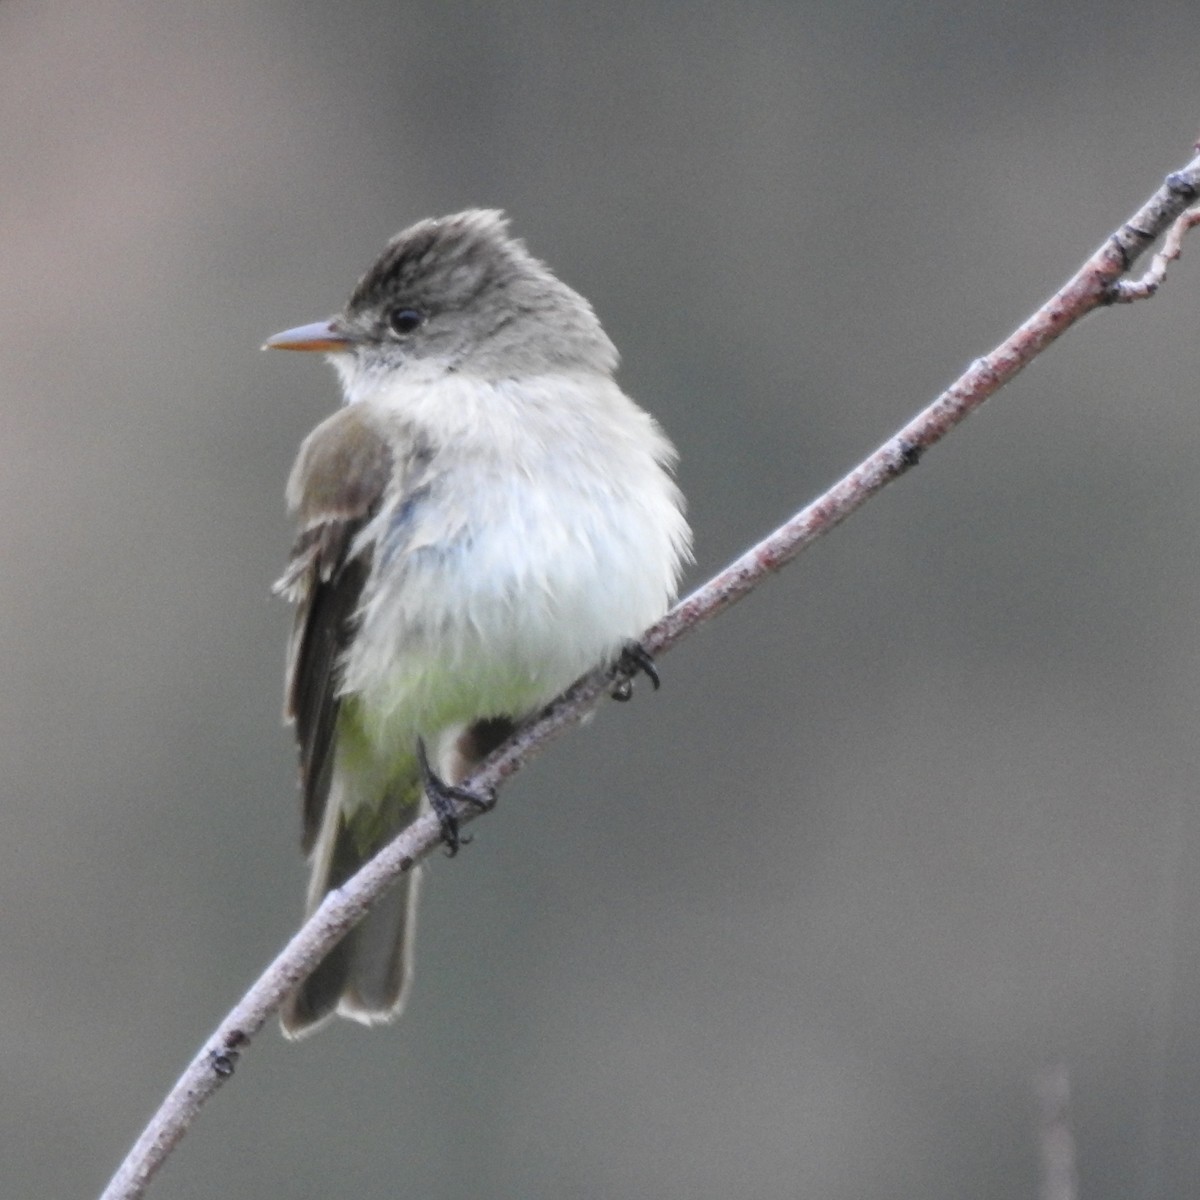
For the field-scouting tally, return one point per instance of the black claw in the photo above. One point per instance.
(634, 659)
(442, 798)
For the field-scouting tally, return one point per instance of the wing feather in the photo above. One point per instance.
(340, 480)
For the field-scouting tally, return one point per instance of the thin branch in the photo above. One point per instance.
(1093, 286)
(1128, 290)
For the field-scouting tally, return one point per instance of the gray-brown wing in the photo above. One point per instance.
(336, 487)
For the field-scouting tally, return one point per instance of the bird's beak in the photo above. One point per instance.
(320, 335)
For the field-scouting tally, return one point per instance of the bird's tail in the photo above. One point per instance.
(365, 976)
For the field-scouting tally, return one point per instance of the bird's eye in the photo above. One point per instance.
(405, 320)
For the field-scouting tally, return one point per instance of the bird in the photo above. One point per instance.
(486, 517)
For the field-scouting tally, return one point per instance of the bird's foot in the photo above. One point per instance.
(442, 798)
(635, 659)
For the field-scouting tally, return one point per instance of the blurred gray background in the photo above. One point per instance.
(915, 820)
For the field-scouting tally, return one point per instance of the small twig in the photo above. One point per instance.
(1091, 287)
(1126, 291)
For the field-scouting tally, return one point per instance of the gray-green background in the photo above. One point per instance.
(916, 819)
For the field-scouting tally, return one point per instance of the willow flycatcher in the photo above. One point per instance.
(486, 518)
